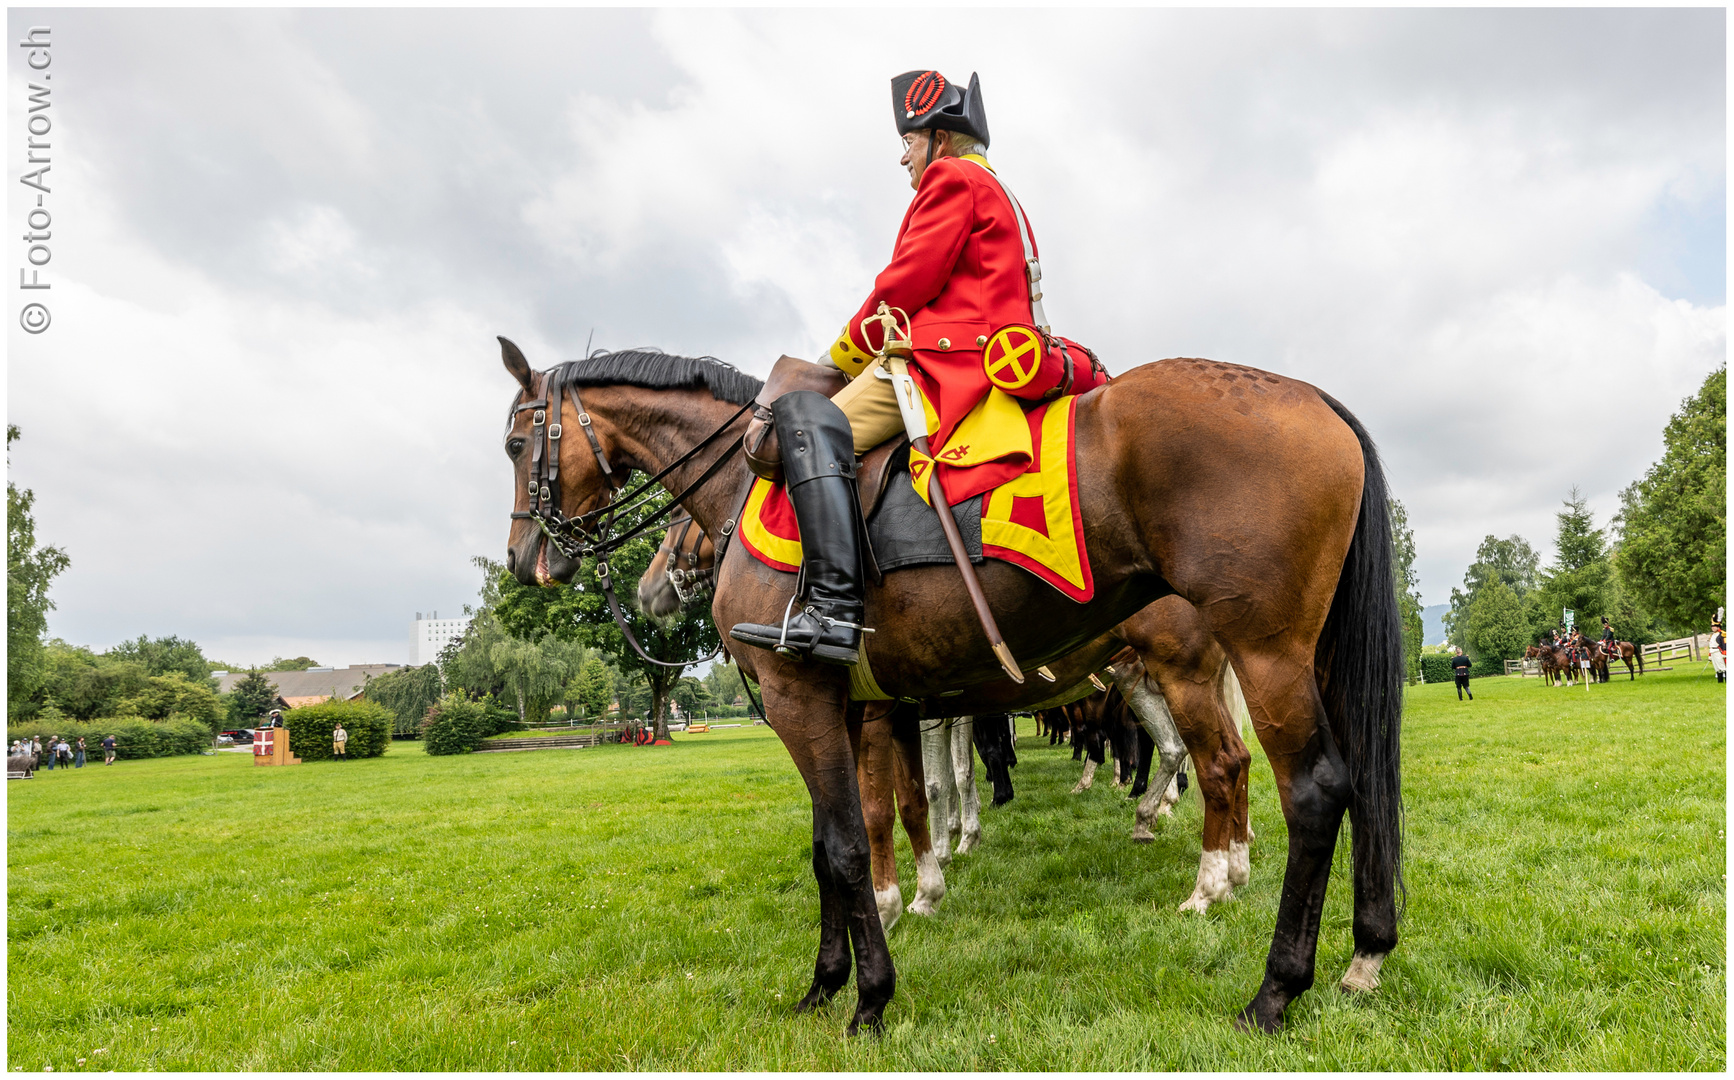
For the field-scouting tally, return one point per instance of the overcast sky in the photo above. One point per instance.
(266, 414)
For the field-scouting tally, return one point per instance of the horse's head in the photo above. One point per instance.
(680, 572)
(551, 472)
(641, 409)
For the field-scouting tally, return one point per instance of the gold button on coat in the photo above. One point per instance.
(945, 343)
(980, 341)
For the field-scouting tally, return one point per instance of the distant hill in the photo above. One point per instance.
(1433, 624)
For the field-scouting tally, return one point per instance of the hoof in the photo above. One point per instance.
(1363, 974)
(872, 1023)
(1249, 1020)
(1145, 839)
(816, 998)
(1196, 902)
(890, 905)
(920, 906)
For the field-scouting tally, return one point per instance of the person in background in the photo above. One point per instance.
(1460, 669)
(48, 759)
(108, 749)
(63, 753)
(78, 754)
(276, 717)
(340, 743)
(1719, 652)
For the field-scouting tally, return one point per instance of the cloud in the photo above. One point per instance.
(268, 408)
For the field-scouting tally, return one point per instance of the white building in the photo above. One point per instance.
(428, 636)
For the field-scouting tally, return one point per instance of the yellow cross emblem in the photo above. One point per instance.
(1012, 357)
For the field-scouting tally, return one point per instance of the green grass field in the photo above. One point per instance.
(624, 907)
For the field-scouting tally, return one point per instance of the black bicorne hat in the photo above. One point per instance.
(928, 100)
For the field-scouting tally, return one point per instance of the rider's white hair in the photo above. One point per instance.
(958, 143)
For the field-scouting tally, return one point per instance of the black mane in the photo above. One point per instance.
(653, 369)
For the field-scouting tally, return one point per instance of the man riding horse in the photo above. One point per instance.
(959, 271)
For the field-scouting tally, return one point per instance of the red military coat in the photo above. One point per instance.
(958, 270)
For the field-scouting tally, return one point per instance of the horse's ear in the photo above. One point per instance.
(516, 364)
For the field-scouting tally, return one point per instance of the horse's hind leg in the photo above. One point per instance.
(1314, 784)
(1375, 913)
(907, 774)
(941, 787)
(874, 775)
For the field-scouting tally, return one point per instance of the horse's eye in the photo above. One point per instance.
(515, 447)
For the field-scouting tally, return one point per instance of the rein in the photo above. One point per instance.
(584, 536)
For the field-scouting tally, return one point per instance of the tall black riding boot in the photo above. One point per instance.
(818, 452)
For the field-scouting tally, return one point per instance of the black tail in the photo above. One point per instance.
(1361, 653)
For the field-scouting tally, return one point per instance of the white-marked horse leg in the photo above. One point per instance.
(890, 904)
(963, 768)
(1213, 882)
(1087, 779)
(1363, 973)
(941, 786)
(1170, 799)
(929, 885)
(1151, 709)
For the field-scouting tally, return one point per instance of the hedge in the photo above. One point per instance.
(134, 736)
(1437, 669)
(457, 725)
(368, 723)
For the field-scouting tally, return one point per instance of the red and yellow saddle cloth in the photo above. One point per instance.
(1026, 463)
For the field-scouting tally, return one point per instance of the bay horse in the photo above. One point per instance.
(1625, 651)
(1257, 498)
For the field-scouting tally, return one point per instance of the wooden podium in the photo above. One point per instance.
(271, 747)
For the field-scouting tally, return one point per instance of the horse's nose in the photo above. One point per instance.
(511, 560)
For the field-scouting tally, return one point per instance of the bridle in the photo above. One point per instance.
(590, 534)
(692, 581)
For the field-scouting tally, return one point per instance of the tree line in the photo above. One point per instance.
(1657, 570)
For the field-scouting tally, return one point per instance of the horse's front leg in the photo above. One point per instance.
(870, 736)
(962, 745)
(941, 787)
(810, 704)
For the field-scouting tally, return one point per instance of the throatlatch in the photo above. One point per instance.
(818, 452)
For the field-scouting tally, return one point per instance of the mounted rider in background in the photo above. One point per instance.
(959, 271)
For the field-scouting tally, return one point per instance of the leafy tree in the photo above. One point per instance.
(173, 694)
(1581, 578)
(100, 688)
(595, 688)
(406, 693)
(466, 661)
(1497, 625)
(580, 612)
(1673, 549)
(1408, 587)
(251, 698)
(29, 572)
(300, 663)
(163, 655)
(1510, 561)
(536, 674)
(690, 694)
